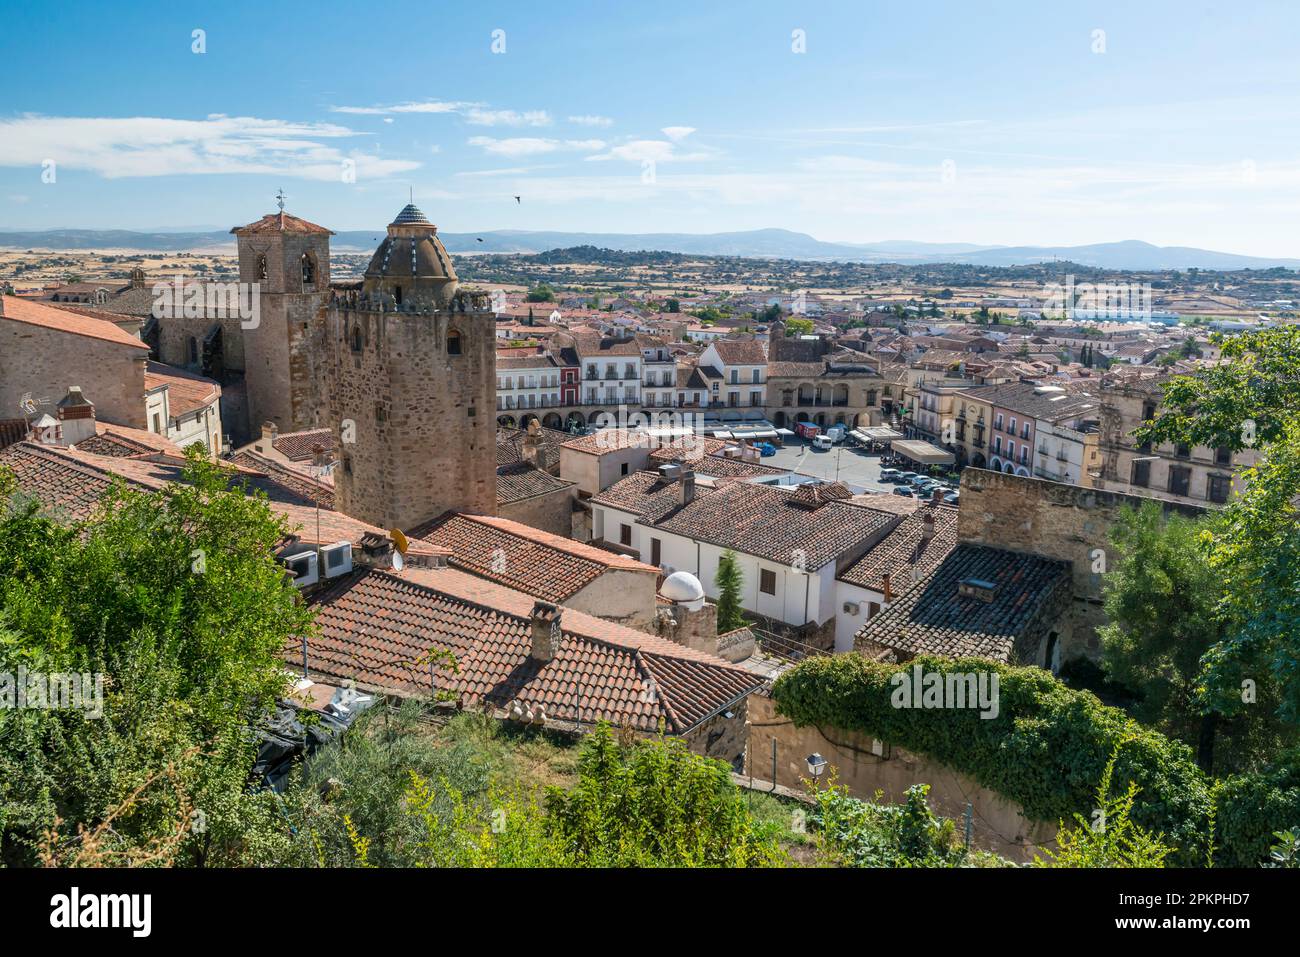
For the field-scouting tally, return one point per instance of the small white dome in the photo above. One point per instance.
(682, 587)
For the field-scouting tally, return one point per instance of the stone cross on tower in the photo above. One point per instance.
(279, 199)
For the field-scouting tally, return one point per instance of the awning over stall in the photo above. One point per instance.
(922, 453)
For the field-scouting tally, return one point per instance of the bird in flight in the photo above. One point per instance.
(518, 199)
(479, 238)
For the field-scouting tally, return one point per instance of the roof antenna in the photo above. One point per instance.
(412, 200)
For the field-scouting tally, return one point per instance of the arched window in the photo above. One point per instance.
(397, 295)
(453, 343)
(261, 269)
(194, 351)
(356, 337)
(308, 271)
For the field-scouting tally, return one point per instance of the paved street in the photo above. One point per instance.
(854, 466)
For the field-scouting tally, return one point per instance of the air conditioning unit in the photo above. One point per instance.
(305, 567)
(336, 559)
(851, 608)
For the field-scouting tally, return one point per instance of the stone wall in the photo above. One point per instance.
(45, 362)
(998, 824)
(723, 736)
(1054, 520)
(422, 433)
(551, 511)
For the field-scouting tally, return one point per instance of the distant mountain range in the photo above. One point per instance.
(755, 243)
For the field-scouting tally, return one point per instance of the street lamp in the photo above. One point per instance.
(816, 765)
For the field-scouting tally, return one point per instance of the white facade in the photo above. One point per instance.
(796, 597)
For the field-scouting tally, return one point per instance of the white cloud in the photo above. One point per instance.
(426, 106)
(156, 146)
(531, 146)
(475, 113)
(656, 151)
(589, 119)
(677, 133)
(481, 117)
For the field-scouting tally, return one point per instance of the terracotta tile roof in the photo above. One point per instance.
(304, 487)
(610, 440)
(795, 370)
(720, 466)
(903, 554)
(68, 483)
(65, 487)
(933, 618)
(762, 520)
(510, 446)
(596, 347)
(116, 441)
(771, 523)
(186, 391)
(506, 363)
(281, 222)
(522, 557)
(646, 496)
(377, 628)
(521, 480)
(740, 352)
(297, 446)
(61, 320)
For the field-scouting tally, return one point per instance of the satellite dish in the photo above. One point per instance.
(399, 540)
(398, 562)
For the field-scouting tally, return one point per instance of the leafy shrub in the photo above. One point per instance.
(863, 834)
(1250, 808)
(655, 804)
(1046, 749)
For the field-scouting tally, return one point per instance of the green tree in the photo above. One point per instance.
(177, 600)
(1163, 604)
(541, 293)
(729, 581)
(1251, 400)
(795, 326)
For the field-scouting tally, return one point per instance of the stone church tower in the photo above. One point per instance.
(410, 384)
(290, 259)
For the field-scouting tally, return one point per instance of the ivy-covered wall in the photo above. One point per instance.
(1046, 748)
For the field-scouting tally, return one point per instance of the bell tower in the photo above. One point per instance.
(411, 385)
(289, 260)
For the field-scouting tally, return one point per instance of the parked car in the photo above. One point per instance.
(906, 477)
(952, 498)
(903, 490)
(765, 448)
(822, 442)
(921, 481)
(889, 475)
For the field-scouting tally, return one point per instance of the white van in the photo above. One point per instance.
(836, 433)
(823, 442)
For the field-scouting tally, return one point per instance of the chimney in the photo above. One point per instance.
(531, 449)
(885, 589)
(77, 416)
(927, 527)
(269, 432)
(546, 631)
(687, 494)
(2, 302)
(936, 498)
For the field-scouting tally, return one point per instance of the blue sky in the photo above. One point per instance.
(985, 123)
